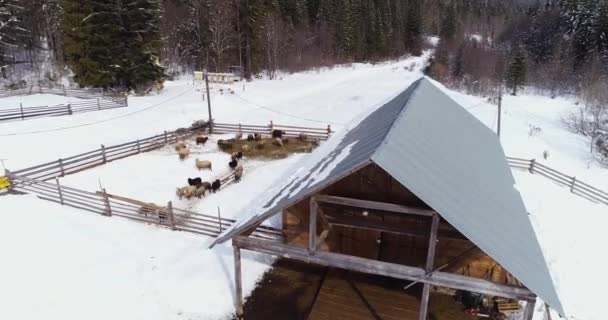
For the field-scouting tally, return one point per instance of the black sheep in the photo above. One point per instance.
(232, 164)
(201, 140)
(195, 182)
(257, 136)
(250, 137)
(216, 185)
(239, 155)
(278, 133)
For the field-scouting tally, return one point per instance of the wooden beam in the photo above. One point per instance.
(381, 268)
(312, 231)
(373, 205)
(529, 310)
(465, 259)
(322, 238)
(323, 218)
(394, 228)
(238, 285)
(428, 268)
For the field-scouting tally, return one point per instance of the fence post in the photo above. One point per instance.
(69, 108)
(103, 154)
(138, 147)
(107, 201)
(219, 218)
(98, 104)
(61, 168)
(21, 107)
(59, 190)
(170, 213)
(166, 138)
(240, 129)
(64, 92)
(572, 184)
(532, 164)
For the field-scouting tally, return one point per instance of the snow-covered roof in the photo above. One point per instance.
(446, 157)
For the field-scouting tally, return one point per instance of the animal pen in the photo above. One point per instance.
(382, 199)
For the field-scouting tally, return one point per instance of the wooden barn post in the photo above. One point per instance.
(430, 261)
(312, 236)
(59, 190)
(238, 286)
(529, 310)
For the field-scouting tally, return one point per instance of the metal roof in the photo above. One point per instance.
(447, 158)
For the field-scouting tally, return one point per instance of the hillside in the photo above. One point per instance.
(56, 252)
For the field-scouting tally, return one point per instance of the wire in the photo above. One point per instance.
(287, 114)
(97, 122)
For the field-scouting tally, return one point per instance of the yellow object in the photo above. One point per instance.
(4, 183)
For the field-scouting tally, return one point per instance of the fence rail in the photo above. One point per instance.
(24, 113)
(576, 186)
(62, 90)
(103, 155)
(106, 204)
(290, 131)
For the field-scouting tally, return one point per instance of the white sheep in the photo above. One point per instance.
(180, 145)
(183, 153)
(278, 142)
(238, 172)
(200, 191)
(245, 148)
(186, 192)
(203, 164)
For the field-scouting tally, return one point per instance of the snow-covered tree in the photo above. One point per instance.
(12, 32)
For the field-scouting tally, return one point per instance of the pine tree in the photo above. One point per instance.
(517, 71)
(13, 33)
(448, 23)
(413, 27)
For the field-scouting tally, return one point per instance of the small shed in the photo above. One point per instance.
(418, 190)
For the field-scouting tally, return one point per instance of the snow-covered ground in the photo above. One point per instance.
(63, 263)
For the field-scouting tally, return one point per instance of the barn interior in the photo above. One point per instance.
(363, 215)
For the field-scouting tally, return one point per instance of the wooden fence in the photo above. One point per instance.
(103, 155)
(576, 186)
(290, 131)
(62, 91)
(24, 113)
(107, 204)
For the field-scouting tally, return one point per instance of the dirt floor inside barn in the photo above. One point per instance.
(296, 290)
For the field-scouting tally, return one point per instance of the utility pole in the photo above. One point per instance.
(499, 108)
(208, 101)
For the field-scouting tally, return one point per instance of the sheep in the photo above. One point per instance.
(285, 140)
(257, 136)
(226, 144)
(197, 182)
(189, 191)
(183, 153)
(278, 133)
(303, 136)
(238, 173)
(203, 164)
(149, 208)
(278, 142)
(245, 148)
(236, 155)
(201, 140)
(200, 191)
(207, 185)
(232, 164)
(238, 136)
(216, 185)
(316, 142)
(250, 137)
(180, 145)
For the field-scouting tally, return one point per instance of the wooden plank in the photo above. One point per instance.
(529, 310)
(238, 286)
(312, 232)
(337, 260)
(373, 205)
(394, 228)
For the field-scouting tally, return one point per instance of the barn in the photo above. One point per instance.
(418, 190)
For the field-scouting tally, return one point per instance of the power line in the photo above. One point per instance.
(259, 106)
(96, 122)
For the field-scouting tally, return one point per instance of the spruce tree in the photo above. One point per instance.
(517, 71)
(413, 27)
